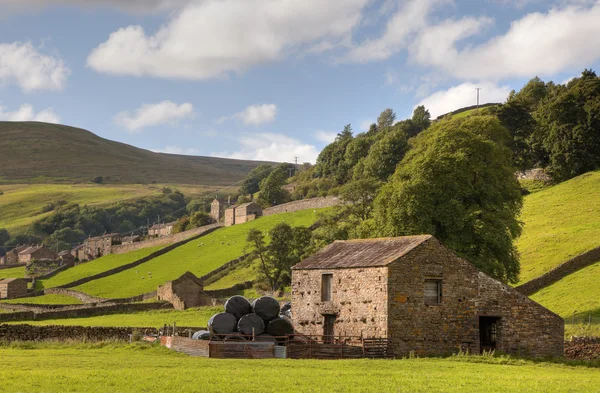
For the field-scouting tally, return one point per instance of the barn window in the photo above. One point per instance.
(326, 280)
(433, 291)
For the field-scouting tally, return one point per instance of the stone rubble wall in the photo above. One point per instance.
(560, 272)
(313, 203)
(583, 348)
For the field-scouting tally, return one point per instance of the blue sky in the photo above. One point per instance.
(274, 79)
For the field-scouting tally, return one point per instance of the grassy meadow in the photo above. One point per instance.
(96, 266)
(21, 204)
(106, 367)
(200, 257)
(561, 222)
(195, 317)
(14, 272)
(51, 298)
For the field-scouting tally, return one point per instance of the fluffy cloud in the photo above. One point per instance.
(148, 115)
(537, 44)
(22, 64)
(214, 38)
(135, 6)
(272, 147)
(324, 136)
(407, 20)
(26, 113)
(258, 114)
(456, 97)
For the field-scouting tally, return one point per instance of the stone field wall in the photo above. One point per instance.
(313, 203)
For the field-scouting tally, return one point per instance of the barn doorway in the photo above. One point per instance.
(328, 328)
(488, 333)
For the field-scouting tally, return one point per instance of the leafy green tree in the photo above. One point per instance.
(182, 224)
(515, 116)
(386, 118)
(4, 236)
(358, 197)
(271, 188)
(199, 219)
(531, 95)
(457, 183)
(421, 119)
(331, 161)
(276, 258)
(250, 185)
(385, 154)
(64, 239)
(126, 226)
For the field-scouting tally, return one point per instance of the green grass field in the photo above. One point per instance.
(14, 272)
(200, 256)
(561, 222)
(21, 204)
(195, 317)
(144, 368)
(238, 275)
(45, 299)
(96, 266)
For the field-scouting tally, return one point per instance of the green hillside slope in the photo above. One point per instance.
(561, 222)
(15, 272)
(35, 152)
(200, 257)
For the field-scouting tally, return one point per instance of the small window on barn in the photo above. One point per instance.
(433, 291)
(326, 281)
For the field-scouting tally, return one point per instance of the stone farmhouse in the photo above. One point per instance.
(185, 292)
(95, 247)
(240, 214)
(131, 239)
(12, 287)
(217, 209)
(12, 256)
(159, 230)
(66, 257)
(36, 252)
(419, 295)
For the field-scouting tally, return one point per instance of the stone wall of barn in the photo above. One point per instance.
(359, 301)
(524, 327)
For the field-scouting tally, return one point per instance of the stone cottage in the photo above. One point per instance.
(12, 256)
(95, 247)
(185, 292)
(36, 252)
(240, 214)
(421, 296)
(12, 288)
(163, 229)
(217, 209)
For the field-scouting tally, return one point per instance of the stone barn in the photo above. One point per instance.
(96, 247)
(217, 209)
(12, 288)
(185, 292)
(421, 296)
(159, 230)
(36, 252)
(12, 256)
(240, 214)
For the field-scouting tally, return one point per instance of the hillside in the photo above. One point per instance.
(560, 222)
(33, 152)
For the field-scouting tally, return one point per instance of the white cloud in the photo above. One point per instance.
(408, 20)
(214, 38)
(134, 6)
(148, 115)
(22, 64)
(26, 113)
(537, 44)
(325, 136)
(254, 115)
(189, 151)
(272, 147)
(463, 95)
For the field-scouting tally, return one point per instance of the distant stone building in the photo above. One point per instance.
(12, 256)
(66, 257)
(95, 247)
(79, 253)
(130, 239)
(217, 209)
(37, 252)
(240, 214)
(185, 292)
(421, 296)
(12, 288)
(159, 230)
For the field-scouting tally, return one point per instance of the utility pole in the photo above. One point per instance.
(295, 165)
(478, 88)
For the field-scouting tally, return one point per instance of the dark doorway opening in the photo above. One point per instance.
(488, 333)
(328, 329)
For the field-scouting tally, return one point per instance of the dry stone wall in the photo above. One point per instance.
(313, 203)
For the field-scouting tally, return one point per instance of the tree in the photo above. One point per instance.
(199, 219)
(386, 118)
(271, 188)
(64, 239)
(4, 236)
(181, 225)
(250, 185)
(421, 119)
(358, 197)
(288, 245)
(385, 154)
(458, 184)
(520, 124)
(331, 161)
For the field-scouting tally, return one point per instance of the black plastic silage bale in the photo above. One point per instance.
(251, 324)
(280, 326)
(286, 310)
(266, 307)
(222, 323)
(238, 306)
(201, 335)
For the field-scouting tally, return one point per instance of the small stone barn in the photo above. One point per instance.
(240, 214)
(12, 287)
(421, 296)
(36, 252)
(96, 247)
(185, 292)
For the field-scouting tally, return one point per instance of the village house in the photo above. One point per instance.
(240, 214)
(12, 288)
(95, 247)
(217, 209)
(419, 295)
(79, 253)
(66, 257)
(36, 252)
(12, 256)
(131, 239)
(185, 292)
(159, 230)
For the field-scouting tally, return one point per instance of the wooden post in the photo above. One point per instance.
(174, 328)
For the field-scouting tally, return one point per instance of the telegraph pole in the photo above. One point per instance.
(478, 88)
(295, 165)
